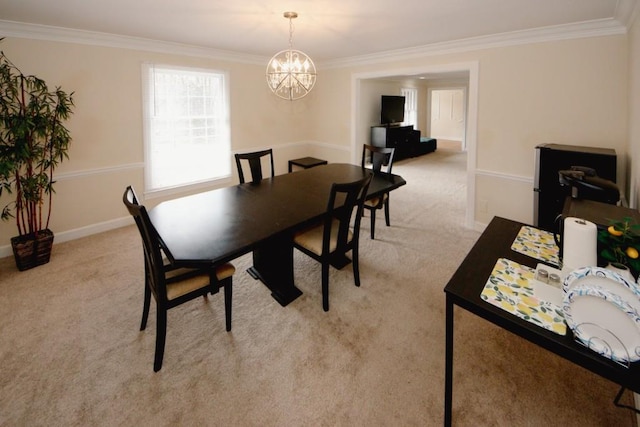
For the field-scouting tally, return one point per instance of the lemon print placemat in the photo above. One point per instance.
(510, 287)
(536, 243)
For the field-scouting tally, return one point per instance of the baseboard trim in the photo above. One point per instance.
(78, 233)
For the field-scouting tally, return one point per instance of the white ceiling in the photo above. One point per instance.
(325, 29)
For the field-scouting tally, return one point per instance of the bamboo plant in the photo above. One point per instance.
(33, 141)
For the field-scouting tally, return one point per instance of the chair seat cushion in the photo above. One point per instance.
(197, 281)
(311, 238)
(225, 270)
(376, 201)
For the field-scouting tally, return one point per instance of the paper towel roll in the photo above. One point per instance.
(579, 244)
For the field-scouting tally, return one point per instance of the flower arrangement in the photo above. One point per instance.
(621, 243)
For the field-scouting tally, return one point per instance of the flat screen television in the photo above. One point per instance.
(391, 109)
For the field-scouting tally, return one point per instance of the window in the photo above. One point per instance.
(410, 106)
(186, 131)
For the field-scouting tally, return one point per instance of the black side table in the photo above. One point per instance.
(306, 163)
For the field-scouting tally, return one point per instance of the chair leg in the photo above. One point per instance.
(325, 286)
(161, 335)
(356, 266)
(373, 223)
(228, 292)
(145, 307)
(386, 212)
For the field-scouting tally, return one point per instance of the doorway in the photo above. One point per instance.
(446, 109)
(361, 113)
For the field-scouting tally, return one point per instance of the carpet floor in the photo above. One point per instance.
(72, 354)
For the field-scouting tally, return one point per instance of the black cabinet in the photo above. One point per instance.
(549, 195)
(404, 139)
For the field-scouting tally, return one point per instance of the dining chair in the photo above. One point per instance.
(170, 285)
(133, 198)
(381, 160)
(329, 241)
(255, 164)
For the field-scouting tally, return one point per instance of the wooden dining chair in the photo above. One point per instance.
(168, 266)
(329, 241)
(169, 285)
(381, 160)
(254, 160)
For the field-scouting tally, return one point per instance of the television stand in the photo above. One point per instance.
(405, 139)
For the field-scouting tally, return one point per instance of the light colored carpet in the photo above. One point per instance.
(71, 352)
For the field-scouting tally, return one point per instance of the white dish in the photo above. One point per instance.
(597, 276)
(603, 321)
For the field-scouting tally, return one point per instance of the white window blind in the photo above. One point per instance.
(410, 106)
(186, 132)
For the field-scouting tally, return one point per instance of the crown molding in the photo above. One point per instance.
(605, 27)
(67, 35)
(597, 28)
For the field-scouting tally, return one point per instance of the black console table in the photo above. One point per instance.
(464, 290)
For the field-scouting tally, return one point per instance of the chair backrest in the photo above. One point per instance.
(132, 198)
(255, 164)
(380, 156)
(344, 200)
(150, 244)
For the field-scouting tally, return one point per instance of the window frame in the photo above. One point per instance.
(411, 100)
(148, 100)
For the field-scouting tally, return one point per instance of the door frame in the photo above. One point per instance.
(471, 125)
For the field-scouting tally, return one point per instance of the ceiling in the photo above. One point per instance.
(326, 29)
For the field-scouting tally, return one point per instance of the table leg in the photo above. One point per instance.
(273, 265)
(448, 370)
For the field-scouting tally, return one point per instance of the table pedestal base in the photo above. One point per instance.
(273, 266)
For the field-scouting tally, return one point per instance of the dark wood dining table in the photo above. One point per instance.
(220, 225)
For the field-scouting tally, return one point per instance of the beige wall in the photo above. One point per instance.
(107, 154)
(571, 91)
(634, 111)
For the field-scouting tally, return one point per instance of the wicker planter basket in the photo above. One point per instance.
(32, 250)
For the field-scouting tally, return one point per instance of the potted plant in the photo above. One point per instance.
(621, 245)
(33, 141)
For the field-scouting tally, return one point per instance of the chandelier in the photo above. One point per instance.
(291, 73)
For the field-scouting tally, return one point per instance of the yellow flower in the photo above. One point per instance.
(632, 252)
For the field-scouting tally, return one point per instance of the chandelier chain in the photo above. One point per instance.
(290, 33)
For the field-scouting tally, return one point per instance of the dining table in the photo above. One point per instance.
(220, 225)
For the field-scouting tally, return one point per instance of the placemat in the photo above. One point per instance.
(510, 288)
(536, 243)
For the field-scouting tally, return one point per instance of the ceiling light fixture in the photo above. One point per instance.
(291, 74)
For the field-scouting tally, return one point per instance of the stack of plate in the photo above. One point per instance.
(603, 310)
